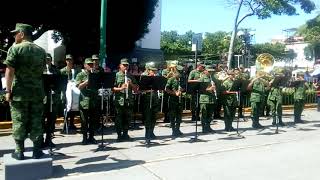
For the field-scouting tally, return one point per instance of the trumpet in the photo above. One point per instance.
(126, 82)
(213, 84)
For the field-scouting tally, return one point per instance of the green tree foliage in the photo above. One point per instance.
(311, 33)
(216, 43)
(175, 45)
(265, 9)
(277, 50)
(78, 22)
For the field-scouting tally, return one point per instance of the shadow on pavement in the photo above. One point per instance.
(60, 171)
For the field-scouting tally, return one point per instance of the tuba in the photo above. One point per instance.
(264, 62)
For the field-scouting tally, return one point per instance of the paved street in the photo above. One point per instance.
(293, 154)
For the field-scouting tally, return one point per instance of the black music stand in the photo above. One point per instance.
(197, 88)
(51, 83)
(101, 81)
(154, 83)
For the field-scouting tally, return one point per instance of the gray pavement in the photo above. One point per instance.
(293, 154)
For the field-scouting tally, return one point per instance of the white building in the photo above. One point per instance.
(298, 45)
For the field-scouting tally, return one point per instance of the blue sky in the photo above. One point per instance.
(202, 16)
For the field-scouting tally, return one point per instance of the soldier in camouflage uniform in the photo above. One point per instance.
(88, 99)
(149, 111)
(257, 88)
(194, 76)
(96, 67)
(25, 64)
(49, 118)
(275, 98)
(165, 73)
(229, 100)
(300, 87)
(175, 104)
(207, 99)
(71, 72)
(123, 102)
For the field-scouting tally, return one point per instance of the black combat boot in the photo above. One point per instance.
(178, 132)
(125, 136)
(119, 138)
(84, 139)
(37, 152)
(274, 121)
(48, 141)
(152, 135)
(18, 153)
(91, 139)
(280, 121)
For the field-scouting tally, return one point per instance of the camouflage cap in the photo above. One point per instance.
(151, 66)
(95, 57)
(88, 61)
(124, 61)
(49, 56)
(23, 27)
(179, 68)
(69, 56)
(209, 68)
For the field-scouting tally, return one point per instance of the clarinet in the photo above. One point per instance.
(179, 89)
(126, 82)
(212, 84)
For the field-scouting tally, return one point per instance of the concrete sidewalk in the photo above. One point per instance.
(261, 154)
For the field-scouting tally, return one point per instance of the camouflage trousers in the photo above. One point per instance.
(206, 114)
(27, 118)
(298, 108)
(123, 118)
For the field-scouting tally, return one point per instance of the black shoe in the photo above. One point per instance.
(257, 126)
(274, 123)
(210, 130)
(126, 137)
(84, 141)
(179, 133)
(47, 143)
(119, 139)
(298, 122)
(18, 155)
(92, 140)
(37, 154)
(72, 127)
(282, 124)
(153, 136)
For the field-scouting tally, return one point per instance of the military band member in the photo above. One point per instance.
(257, 87)
(173, 88)
(208, 99)
(300, 87)
(123, 100)
(275, 97)
(88, 99)
(150, 110)
(229, 100)
(194, 76)
(96, 67)
(71, 72)
(49, 118)
(169, 67)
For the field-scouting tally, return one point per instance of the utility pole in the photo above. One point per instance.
(103, 32)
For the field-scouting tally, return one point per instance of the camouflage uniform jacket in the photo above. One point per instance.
(258, 91)
(120, 97)
(194, 75)
(88, 97)
(28, 60)
(229, 99)
(208, 97)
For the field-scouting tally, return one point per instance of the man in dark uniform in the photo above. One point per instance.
(123, 100)
(229, 101)
(194, 76)
(208, 99)
(150, 110)
(275, 97)
(257, 88)
(71, 72)
(173, 88)
(300, 87)
(50, 110)
(88, 99)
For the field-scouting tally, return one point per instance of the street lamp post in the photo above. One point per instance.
(103, 31)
